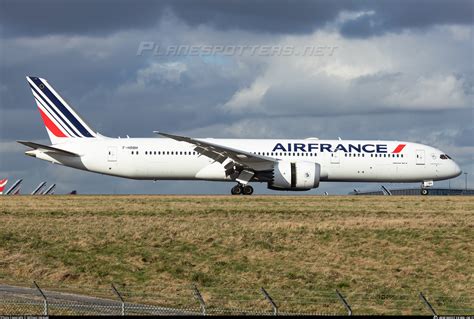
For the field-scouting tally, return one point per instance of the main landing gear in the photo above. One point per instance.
(240, 189)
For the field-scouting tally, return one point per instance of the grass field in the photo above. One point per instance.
(378, 251)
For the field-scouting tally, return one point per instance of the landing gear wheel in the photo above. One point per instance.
(248, 190)
(424, 191)
(236, 190)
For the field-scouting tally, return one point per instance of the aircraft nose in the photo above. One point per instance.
(456, 169)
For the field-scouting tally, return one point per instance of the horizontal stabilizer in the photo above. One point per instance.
(47, 149)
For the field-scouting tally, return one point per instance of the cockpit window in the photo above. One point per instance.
(444, 156)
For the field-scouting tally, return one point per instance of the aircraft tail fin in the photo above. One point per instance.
(3, 183)
(17, 191)
(62, 122)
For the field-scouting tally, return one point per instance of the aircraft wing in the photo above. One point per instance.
(221, 153)
(47, 149)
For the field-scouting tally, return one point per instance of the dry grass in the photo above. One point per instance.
(379, 251)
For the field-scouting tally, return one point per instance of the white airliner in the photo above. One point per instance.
(284, 164)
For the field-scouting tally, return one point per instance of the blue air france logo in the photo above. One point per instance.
(330, 148)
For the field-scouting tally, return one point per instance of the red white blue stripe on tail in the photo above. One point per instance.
(60, 119)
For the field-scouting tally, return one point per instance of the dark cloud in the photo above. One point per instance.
(33, 18)
(262, 16)
(29, 17)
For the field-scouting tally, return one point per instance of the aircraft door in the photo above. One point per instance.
(420, 157)
(335, 158)
(112, 154)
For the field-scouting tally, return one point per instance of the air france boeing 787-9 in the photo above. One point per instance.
(284, 164)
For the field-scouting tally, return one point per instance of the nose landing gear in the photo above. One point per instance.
(240, 189)
(424, 187)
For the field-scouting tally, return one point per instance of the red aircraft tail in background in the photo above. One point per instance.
(3, 183)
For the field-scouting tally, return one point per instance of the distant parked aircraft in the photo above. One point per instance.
(38, 189)
(3, 183)
(50, 190)
(386, 191)
(15, 189)
(74, 192)
(284, 164)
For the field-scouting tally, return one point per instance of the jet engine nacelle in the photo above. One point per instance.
(296, 176)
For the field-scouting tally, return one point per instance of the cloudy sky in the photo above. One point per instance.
(399, 70)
